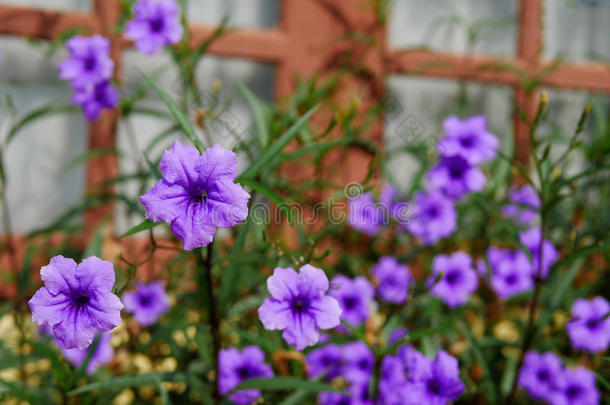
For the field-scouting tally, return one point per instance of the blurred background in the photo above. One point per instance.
(428, 55)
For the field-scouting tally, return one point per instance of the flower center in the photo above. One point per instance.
(593, 323)
(299, 305)
(542, 375)
(89, 63)
(157, 25)
(145, 300)
(456, 167)
(573, 391)
(81, 300)
(511, 279)
(363, 364)
(453, 276)
(434, 386)
(243, 372)
(349, 302)
(467, 141)
(433, 211)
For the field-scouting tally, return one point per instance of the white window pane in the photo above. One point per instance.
(577, 29)
(40, 189)
(241, 13)
(443, 25)
(70, 5)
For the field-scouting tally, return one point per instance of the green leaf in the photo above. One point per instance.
(178, 115)
(273, 151)
(285, 383)
(283, 205)
(48, 109)
(91, 154)
(143, 226)
(118, 383)
(94, 248)
(258, 111)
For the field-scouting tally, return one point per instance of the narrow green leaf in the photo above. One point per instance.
(143, 226)
(285, 383)
(258, 111)
(178, 115)
(273, 151)
(129, 381)
(91, 154)
(94, 248)
(48, 109)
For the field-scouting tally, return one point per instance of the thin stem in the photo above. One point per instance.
(214, 319)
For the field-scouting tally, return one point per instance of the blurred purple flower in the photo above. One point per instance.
(355, 297)
(539, 374)
(415, 363)
(531, 240)
(456, 177)
(589, 327)
(457, 278)
(365, 215)
(236, 367)
(512, 274)
(436, 381)
(147, 303)
(434, 217)
(156, 23)
(495, 256)
(89, 62)
(525, 204)
(93, 98)
(393, 279)
(468, 138)
(197, 193)
(359, 362)
(102, 355)
(392, 383)
(299, 305)
(77, 300)
(326, 360)
(397, 334)
(576, 387)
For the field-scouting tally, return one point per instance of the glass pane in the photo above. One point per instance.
(72, 5)
(480, 26)
(235, 121)
(40, 189)
(241, 13)
(418, 107)
(577, 29)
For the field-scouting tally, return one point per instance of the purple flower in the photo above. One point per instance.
(392, 383)
(539, 374)
(236, 367)
(326, 361)
(415, 363)
(495, 256)
(148, 302)
(531, 240)
(468, 138)
(576, 387)
(76, 300)
(397, 334)
(354, 297)
(359, 362)
(299, 305)
(156, 23)
(357, 394)
(393, 279)
(457, 278)
(102, 355)
(456, 177)
(589, 327)
(436, 382)
(512, 275)
(365, 215)
(434, 217)
(525, 204)
(89, 62)
(94, 97)
(197, 193)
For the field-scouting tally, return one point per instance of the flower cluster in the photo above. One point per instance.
(545, 379)
(511, 270)
(89, 69)
(236, 367)
(406, 378)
